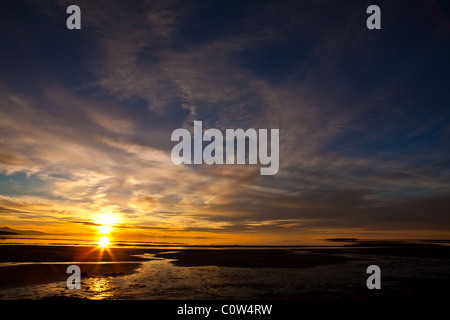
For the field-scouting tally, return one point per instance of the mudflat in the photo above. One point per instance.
(23, 265)
(409, 270)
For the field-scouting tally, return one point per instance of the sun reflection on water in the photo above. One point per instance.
(101, 288)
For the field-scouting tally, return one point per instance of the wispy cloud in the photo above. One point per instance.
(359, 145)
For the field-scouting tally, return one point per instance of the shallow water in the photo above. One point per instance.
(160, 279)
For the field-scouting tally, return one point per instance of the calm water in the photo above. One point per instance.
(74, 241)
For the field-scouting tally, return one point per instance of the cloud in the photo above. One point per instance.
(353, 154)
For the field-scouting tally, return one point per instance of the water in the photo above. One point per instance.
(49, 239)
(160, 279)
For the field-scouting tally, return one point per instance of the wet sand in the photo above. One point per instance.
(265, 258)
(30, 274)
(46, 264)
(28, 265)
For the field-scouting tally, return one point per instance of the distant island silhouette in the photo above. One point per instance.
(8, 231)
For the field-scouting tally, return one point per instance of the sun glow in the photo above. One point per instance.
(105, 225)
(105, 229)
(104, 242)
(106, 222)
(107, 219)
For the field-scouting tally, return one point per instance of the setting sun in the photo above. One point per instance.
(106, 222)
(104, 242)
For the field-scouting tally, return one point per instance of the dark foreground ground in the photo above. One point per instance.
(22, 265)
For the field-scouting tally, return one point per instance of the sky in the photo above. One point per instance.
(86, 118)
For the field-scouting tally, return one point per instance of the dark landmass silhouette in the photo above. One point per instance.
(7, 233)
(19, 232)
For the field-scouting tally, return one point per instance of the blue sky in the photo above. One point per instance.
(86, 116)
